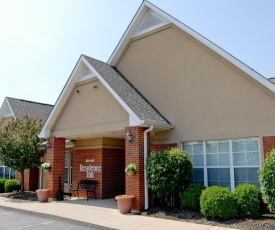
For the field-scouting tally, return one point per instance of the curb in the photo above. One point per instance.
(59, 218)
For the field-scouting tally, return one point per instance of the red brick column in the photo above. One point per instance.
(30, 178)
(134, 153)
(268, 144)
(56, 157)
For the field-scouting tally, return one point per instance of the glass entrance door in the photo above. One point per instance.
(68, 172)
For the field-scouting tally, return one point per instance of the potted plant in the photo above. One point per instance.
(42, 194)
(131, 169)
(124, 203)
(47, 167)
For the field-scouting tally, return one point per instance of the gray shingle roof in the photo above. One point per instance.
(128, 93)
(22, 108)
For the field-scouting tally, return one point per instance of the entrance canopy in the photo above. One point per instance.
(98, 100)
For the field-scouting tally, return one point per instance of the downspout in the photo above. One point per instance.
(41, 176)
(145, 161)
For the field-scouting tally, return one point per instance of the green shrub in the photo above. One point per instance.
(267, 180)
(218, 203)
(249, 200)
(191, 197)
(2, 185)
(12, 185)
(168, 172)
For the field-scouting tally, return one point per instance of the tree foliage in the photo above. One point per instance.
(168, 173)
(19, 145)
(267, 180)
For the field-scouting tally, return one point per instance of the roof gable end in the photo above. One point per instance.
(161, 18)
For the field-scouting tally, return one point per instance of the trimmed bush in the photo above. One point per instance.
(191, 197)
(168, 173)
(2, 185)
(267, 180)
(218, 203)
(12, 185)
(249, 201)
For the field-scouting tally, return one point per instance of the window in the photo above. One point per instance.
(225, 163)
(6, 172)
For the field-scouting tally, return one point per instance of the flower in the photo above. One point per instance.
(46, 166)
(131, 167)
(124, 196)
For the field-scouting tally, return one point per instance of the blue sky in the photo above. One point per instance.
(41, 40)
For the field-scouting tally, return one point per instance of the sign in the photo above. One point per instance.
(90, 160)
(90, 170)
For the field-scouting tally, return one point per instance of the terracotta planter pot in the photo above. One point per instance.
(130, 173)
(124, 204)
(43, 195)
(46, 170)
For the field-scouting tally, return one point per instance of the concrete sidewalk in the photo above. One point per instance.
(100, 214)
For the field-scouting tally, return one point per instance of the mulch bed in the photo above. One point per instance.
(32, 196)
(267, 221)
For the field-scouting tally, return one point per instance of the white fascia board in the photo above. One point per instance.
(132, 115)
(12, 113)
(157, 125)
(46, 130)
(147, 5)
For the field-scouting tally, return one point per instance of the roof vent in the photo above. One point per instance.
(86, 72)
(149, 21)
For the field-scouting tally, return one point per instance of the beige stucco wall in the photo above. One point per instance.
(92, 110)
(198, 91)
(5, 121)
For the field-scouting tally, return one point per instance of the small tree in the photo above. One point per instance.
(267, 180)
(19, 145)
(168, 173)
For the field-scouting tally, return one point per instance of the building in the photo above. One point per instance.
(169, 86)
(13, 108)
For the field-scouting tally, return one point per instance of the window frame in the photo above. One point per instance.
(231, 160)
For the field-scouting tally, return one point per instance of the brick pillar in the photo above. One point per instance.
(134, 153)
(31, 177)
(56, 157)
(268, 144)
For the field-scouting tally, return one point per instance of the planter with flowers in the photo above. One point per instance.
(124, 203)
(131, 169)
(47, 167)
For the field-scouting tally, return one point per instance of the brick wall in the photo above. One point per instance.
(79, 158)
(162, 147)
(134, 153)
(113, 182)
(111, 178)
(31, 177)
(268, 144)
(56, 157)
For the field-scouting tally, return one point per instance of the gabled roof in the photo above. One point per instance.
(141, 111)
(18, 108)
(128, 93)
(149, 18)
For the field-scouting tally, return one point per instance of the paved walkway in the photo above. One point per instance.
(100, 214)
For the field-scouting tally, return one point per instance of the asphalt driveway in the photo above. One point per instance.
(10, 220)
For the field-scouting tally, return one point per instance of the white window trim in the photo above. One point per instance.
(231, 164)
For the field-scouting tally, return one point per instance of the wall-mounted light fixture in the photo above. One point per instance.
(45, 145)
(129, 136)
